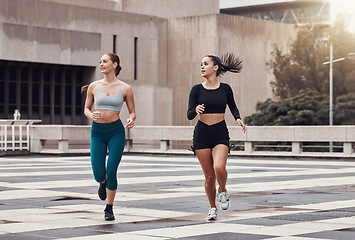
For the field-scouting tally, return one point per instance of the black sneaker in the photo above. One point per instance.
(109, 216)
(102, 191)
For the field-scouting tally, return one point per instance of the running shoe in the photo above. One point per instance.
(102, 191)
(109, 216)
(212, 214)
(224, 202)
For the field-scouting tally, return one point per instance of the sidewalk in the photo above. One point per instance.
(162, 197)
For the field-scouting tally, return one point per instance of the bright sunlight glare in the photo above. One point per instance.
(336, 7)
(343, 7)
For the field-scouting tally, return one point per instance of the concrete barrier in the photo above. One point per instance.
(296, 135)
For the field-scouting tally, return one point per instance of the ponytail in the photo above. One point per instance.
(83, 88)
(115, 58)
(117, 70)
(229, 63)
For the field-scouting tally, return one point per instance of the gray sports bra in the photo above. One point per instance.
(112, 103)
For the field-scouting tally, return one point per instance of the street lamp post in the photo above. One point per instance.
(330, 62)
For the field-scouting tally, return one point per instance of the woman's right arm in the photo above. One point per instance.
(191, 112)
(89, 102)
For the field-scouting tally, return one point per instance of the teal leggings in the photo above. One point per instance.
(105, 136)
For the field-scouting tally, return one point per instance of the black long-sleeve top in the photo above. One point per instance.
(214, 100)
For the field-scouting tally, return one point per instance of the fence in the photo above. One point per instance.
(163, 139)
(15, 134)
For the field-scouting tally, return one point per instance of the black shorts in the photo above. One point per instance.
(209, 136)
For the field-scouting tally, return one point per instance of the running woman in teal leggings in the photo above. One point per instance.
(107, 132)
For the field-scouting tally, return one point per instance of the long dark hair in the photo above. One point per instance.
(114, 58)
(228, 62)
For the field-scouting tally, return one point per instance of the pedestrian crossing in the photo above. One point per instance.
(162, 197)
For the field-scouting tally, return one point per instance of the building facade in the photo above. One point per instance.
(50, 48)
(284, 11)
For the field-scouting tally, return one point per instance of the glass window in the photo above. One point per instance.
(46, 94)
(57, 94)
(12, 108)
(57, 76)
(2, 91)
(68, 74)
(35, 75)
(47, 75)
(2, 72)
(43, 75)
(57, 110)
(24, 94)
(35, 109)
(35, 93)
(68, 99)
(24, 74)
(12, 73)
(12, 93)
(46, 110)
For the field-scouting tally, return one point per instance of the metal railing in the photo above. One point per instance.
(15, 134)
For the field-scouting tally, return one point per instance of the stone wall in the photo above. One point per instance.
(169, 48)
(192, 38)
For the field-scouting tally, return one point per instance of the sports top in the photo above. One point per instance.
(214, 100)
(112, 103)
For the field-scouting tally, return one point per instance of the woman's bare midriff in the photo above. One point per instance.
(211, 118)
(108, 116)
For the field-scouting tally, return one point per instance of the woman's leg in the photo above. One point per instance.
(205, 158)
(98, 150)
(115, 146)
(220, 155)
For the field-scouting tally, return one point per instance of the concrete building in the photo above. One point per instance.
(50, 48)
(284, 11)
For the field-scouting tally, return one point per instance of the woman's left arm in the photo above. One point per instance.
(131, 107)
(233, 108)
(241, 123)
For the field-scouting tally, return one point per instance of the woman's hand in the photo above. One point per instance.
(130, 123)
(200, 108)
(96, 115)
(241, 123)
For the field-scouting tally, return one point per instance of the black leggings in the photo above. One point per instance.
(209, 136)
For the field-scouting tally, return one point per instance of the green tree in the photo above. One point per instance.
(344, 110)
(301, 84)
(302, 67)
(308, 107)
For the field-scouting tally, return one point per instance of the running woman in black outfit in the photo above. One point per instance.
(208, 100)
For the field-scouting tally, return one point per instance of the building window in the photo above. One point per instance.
(2, 88)
(114, 43)
(50, 92)
(135, 57)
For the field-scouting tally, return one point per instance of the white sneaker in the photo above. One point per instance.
(212, 214)
(224, 202)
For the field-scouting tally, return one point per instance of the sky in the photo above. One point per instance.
(336, 7)
(341, 7)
